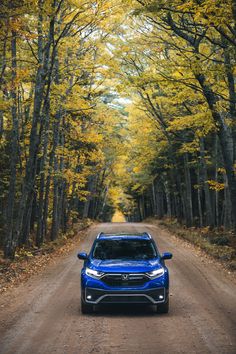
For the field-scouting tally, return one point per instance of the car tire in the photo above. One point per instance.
(86, 308)
(163, 308)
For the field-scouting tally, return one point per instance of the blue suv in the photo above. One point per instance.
(124, 268)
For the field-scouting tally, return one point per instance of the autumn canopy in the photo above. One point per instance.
(122, 105)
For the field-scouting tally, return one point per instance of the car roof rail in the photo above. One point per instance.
(146, 233)
(101, 233)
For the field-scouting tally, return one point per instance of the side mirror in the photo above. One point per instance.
(82, 255)
(166, 255)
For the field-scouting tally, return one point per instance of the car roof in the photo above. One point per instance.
(124, 236)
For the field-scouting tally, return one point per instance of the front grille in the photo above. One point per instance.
(125, 280)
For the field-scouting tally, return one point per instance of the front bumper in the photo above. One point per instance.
(101, 296)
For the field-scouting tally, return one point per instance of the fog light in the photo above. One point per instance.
(161, 297)
(89, 297)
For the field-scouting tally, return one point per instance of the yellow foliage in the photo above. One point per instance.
(216, 186)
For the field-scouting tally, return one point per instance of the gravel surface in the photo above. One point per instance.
(43, 315)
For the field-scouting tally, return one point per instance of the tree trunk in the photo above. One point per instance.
(159, 200)
(226, 142)
(188, 193)
(208, 204)
(10, 237)
(227, 207)
(90, 188)
(55, 221)
(217, 214)
(40, 233)
(199, 198)
(154, 198)
(168, 198)
(40, 82)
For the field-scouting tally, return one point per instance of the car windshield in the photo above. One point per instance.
(124, 249)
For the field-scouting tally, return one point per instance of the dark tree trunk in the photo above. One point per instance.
(208, 204)
(40, 219)
(188, 192)
(226, 142)
(217, 213)
(10, 237)
(168, 198)
(227, 222)
(40, 82)
(199, 198)
(87, 203)
(55, 221)
(159, 199)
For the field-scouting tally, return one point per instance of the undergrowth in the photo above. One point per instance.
(220, 244)
(30, 260)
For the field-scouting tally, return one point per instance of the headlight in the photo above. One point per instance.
(93, 273)
(156, 273)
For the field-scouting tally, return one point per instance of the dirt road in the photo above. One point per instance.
(43, 315)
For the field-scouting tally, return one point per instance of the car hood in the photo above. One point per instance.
(124, 266)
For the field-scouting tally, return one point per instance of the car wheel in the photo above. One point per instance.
(163, 308)
(86, 308)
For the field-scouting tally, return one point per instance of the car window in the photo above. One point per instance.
(124, 249)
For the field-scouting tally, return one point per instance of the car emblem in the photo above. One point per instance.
(125, 276)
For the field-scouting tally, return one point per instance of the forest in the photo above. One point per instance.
(111, 105)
